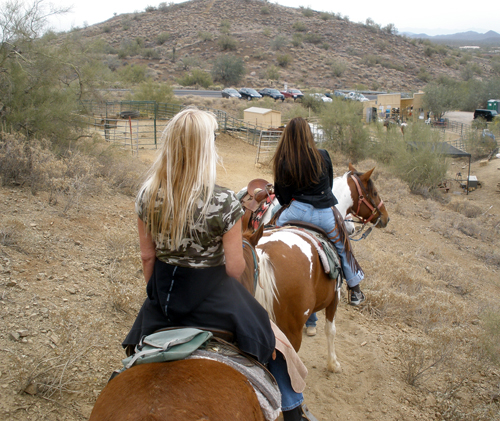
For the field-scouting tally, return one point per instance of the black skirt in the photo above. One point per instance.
(203, 297)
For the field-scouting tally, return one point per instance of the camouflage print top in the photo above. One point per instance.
(202, 248)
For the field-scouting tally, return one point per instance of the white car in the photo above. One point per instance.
(321, 97)
(355, 96)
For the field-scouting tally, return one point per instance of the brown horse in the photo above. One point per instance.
(292, 282)
(187, 390)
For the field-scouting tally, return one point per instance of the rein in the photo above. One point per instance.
(255, 263)
(363, 199)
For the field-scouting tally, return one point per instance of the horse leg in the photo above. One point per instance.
(330, 330)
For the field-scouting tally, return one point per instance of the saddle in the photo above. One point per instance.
(256, 199)
(173, 344)
(327, 252)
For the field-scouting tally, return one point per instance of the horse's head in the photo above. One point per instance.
(367, 204)
(250, 276)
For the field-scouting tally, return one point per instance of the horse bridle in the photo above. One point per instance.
(255, 263)
(362, 199)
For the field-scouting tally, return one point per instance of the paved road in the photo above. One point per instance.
(208, 94)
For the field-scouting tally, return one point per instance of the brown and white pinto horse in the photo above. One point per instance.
(187, 390)
(292, 282)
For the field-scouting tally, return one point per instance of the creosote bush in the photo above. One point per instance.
(227, 42)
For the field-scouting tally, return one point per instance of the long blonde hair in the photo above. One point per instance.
(182, 175)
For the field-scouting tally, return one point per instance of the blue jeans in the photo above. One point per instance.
(311, 321)
(323, 218)
(290, 399)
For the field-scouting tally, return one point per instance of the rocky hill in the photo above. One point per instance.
(278, 44)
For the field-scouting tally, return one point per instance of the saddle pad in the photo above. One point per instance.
(167, 345)
(262, 381)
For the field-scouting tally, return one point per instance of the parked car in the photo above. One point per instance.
(488, 115)
(321, 97)
(272, 93)
(292, 93)
(356, 96)
(335, 94)
(249, 93)
(230, 93)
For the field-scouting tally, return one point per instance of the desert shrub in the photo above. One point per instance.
(187, 62)
(150, 9)
(196, 77)
(265, 10)
(297, 39)
(126, 25)
(225, 26)
(279, 43)
(132, 73)
(467, 209)
(338, 67)
(130, 47)
(299, 26)
(325, 16)
(150, 53)
(313, 38)
(307, 11)
(106, 29)
(267, 32)
(424, 75)
(259, 53)
(477, 145)
(162, 38)
(390, 28)
(296, 110)
(228, 69)
(416, 159)
(491, 337)
(205, 36)
(309, 101)
(343, 128)
(421, 357)
(227, 42)
(163, 7)
(273, 73)
(283, 59)
(325, 46)
(150, 90)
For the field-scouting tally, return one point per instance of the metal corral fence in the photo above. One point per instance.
(139, 124)
(268, 141)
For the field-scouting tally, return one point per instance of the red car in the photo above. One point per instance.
(292, 93)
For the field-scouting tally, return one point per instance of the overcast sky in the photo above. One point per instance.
(431, 17)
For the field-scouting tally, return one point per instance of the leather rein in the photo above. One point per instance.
(362, 199)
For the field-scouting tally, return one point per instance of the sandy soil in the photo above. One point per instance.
(71, 285)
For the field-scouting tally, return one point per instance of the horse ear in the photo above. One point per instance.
(351, 168)
(254, 239)
(366, 176)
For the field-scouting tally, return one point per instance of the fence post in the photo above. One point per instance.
(154, 123)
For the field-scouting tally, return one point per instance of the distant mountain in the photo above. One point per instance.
(489, 37)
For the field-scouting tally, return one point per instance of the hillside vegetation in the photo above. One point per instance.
(277, 44)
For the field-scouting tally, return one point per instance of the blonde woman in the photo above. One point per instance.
(191, 243)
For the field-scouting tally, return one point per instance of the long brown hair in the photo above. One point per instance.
(297, 161)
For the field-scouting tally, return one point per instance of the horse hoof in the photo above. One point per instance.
(335, 368)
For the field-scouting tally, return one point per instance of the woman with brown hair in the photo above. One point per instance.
(303, 180)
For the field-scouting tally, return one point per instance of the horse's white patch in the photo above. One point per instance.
(343, 194)
(307, 313)
(290, 239)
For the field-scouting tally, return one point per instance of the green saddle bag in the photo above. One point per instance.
(167, 345)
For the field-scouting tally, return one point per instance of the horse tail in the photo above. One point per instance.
(266, 291)
(344, 238)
